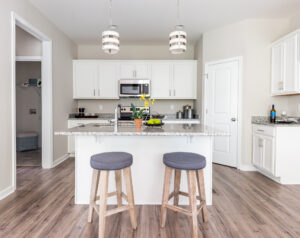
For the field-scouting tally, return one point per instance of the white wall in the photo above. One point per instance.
(64, 50)
(28, 98)
(26, 44)
(134, 52)
(250, 39)
(199, 58)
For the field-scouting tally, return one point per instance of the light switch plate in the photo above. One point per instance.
(100, 107)
(172, 107)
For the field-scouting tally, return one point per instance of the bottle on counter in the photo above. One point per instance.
(273, 114)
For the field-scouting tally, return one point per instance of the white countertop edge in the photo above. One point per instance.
(141, 134)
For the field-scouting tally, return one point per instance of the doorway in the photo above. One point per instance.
(222, 102)
(45, 60)
(28, 111)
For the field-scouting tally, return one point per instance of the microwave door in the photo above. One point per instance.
(130, 89)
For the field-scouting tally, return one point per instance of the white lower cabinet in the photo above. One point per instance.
(276, 153)
(263, 153)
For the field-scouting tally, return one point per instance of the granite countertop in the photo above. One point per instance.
(265, 121)
(128, 129)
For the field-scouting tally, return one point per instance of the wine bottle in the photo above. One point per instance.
(273, 114)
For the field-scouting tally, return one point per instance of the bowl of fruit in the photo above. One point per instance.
(154, 122)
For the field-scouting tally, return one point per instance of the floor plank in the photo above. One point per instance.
(246, 204)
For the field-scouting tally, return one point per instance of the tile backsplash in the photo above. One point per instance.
(108, 106)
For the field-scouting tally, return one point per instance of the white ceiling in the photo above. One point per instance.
(150, 21)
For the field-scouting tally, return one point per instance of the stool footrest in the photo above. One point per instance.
(117, 210)
(178, 209)
(172, 194)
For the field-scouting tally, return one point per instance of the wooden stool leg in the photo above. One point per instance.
(129, 191)
(177, 186)
(165, 199)
(118, 178)
(103, 199)
(201, 188)
(94, 186)
(193, 200)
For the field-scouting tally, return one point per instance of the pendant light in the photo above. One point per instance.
(110, 37)
(178, 37)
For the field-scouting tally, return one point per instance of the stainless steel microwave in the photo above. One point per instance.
(134, 88)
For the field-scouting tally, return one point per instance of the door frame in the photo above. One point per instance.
(46, 98)
(239, 59)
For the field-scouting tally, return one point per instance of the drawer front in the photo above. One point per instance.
(264, 130)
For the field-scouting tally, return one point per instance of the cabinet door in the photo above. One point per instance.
(277, 68)
(127, 70)
(257, 151)
(161, 80)
(290, 64)
(85, 74)
(268, 152)
(185, 80)
(108, 80)
(141, 71)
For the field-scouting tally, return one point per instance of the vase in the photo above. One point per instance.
(138, 123)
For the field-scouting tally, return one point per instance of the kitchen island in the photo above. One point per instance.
(147, 145)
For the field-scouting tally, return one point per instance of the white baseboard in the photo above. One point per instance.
(246, 167)
(5, 192)
(60, 160)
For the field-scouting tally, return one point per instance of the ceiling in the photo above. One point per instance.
(150, 21)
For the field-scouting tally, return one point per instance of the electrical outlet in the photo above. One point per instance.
(172, 107)
(100, 107)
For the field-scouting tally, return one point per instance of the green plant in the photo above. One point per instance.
(136, 114)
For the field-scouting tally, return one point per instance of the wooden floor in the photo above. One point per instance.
(246, 204)
(29, 158)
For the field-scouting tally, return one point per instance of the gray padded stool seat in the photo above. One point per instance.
(111, 161)
(184, 161)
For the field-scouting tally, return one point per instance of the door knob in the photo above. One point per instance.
(233, 119)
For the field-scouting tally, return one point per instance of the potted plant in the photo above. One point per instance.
(137, 116)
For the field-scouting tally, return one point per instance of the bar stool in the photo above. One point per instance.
(194, 165)
(102, 164)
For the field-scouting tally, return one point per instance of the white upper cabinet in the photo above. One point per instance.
(174, 79)
(85, 76)
(170, 79)
(108, 80)
(94, 79)
(285, 65)
(185, 80)
(134, 70)
(161, 86)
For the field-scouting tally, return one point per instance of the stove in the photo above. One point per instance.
(126, 113)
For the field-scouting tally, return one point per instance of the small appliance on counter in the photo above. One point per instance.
(188, 112)
(81, 114)
(126, 113)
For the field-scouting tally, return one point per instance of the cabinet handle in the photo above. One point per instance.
(174, 92)
(170, 92)
(94, 92)
(260, 130)
(98, 92)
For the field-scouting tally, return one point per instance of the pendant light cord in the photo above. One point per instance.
(110, 13)
(178, 13)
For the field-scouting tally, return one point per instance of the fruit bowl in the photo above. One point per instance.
(154, 122)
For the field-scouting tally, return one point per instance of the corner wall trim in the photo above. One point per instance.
(60, 160)
(246, 167)
(5, 192)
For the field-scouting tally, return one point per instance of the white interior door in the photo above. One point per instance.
(221, 109)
